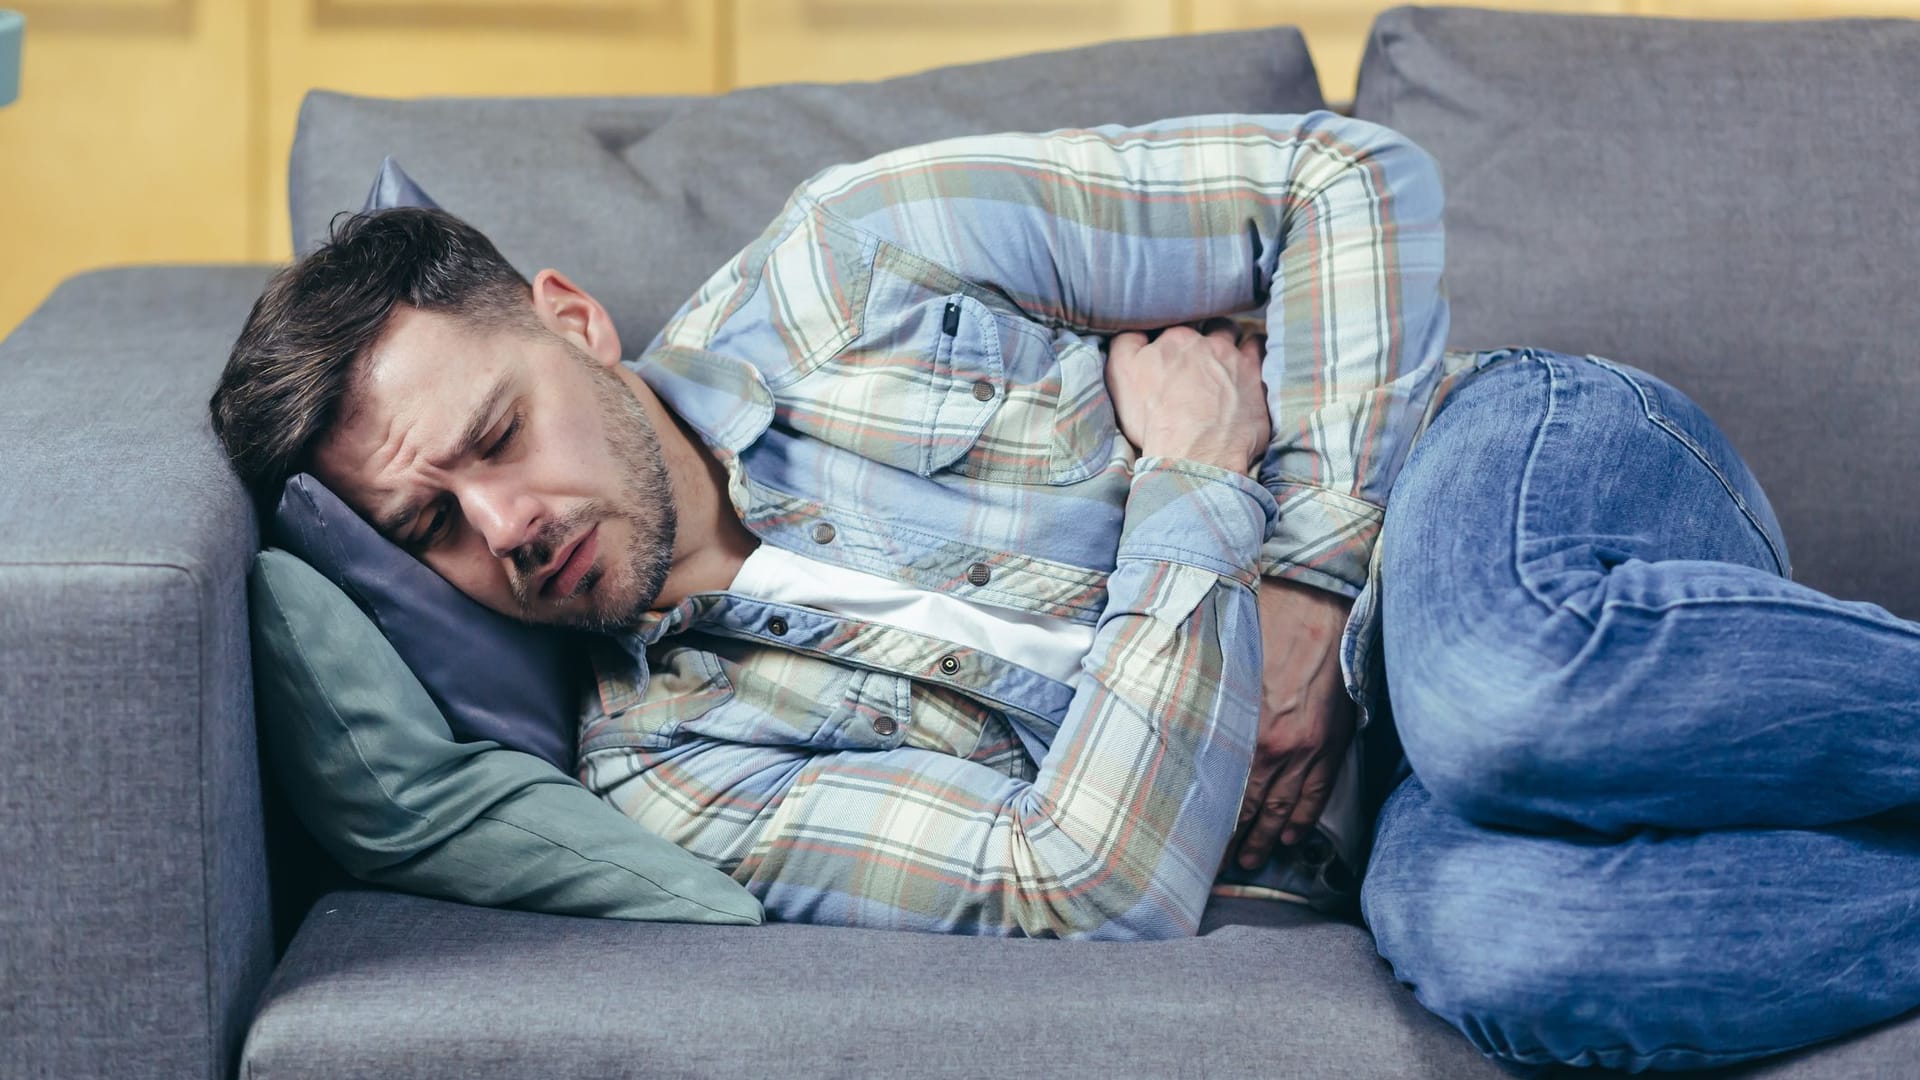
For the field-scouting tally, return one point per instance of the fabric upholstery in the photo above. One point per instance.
(134, 908)
(638, 200)
(134, 931)
(375, 775)
(381, 984)
(1730, 205)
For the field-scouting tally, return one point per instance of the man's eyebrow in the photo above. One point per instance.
(469, 438)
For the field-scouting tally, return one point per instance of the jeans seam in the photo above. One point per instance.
(1661, 421)
(1526, 485)
(1709, 601)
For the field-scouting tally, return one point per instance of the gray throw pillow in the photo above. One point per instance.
(640, 199)
(373, 772)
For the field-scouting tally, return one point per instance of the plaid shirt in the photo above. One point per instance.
(903, 374)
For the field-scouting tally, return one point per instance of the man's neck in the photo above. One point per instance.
(710, 542)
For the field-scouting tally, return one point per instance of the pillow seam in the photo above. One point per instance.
(607, 862)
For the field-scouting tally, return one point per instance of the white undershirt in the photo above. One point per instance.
(1048, 644)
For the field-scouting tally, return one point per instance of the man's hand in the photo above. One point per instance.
(1190, 395)
(1306, 718)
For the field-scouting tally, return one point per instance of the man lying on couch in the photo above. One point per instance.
(958, 603)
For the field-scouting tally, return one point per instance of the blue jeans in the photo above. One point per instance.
(1662, 811)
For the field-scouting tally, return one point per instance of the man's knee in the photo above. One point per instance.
(1521, 982)
(1488, 734)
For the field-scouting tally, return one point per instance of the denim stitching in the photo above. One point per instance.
(1660, 420)
(1526, 485)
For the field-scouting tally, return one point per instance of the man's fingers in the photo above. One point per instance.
(1275, 810)
(1313, 799)
(1125, 344)
(1259, 778)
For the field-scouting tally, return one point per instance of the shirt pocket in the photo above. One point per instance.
(647, 705)
(942, 382)
(1052, 421)
(781, 697)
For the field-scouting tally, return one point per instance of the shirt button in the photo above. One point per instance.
(777, 626)
(823, 533)
(978, 574)
(949, 664)
(884, 725)
(983, 391)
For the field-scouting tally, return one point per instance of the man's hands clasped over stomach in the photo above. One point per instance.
(1199, 396)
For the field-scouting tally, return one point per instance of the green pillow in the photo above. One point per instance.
(373, 772)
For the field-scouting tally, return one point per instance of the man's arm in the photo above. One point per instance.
(1332, 224)
(1117, 836)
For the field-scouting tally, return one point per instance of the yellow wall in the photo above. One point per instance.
(158, 130)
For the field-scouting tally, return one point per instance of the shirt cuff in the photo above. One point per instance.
(1323, 538)
(1201, 515)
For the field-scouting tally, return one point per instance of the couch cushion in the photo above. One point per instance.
(1731, 205)
(381, 984)
(639, 200)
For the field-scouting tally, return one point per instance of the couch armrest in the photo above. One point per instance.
(135, 927)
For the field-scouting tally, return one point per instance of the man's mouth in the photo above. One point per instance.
(573, 563)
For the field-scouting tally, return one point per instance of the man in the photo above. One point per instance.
(950, 601)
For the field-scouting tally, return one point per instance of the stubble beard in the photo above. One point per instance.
(648, 511)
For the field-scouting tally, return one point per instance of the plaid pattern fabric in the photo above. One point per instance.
(904, 374)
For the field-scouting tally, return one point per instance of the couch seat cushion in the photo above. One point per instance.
(380, 984)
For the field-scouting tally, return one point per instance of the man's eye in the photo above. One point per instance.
(506, 437)
(426, 539)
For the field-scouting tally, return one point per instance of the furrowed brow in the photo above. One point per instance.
(392, 524)
(477, 424)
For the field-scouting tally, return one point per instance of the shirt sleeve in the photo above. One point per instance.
(1119, 834)
(1328, 225)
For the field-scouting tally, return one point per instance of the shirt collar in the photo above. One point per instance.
(723, 398)
(654, 625)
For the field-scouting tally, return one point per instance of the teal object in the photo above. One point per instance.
(372, 771)
(13, 27)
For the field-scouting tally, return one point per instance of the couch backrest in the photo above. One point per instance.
(1734, 206)
(640, 199)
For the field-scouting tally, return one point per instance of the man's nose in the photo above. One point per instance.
(507, 518)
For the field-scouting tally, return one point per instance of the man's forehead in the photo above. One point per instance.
(413, 400)
(420, 351)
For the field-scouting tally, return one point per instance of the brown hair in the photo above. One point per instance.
(295, 359)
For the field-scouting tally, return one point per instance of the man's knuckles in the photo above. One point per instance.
(1285, 743)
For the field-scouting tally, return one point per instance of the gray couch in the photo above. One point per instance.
(1733, 206)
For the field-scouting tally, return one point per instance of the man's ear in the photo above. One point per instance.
(571, 312)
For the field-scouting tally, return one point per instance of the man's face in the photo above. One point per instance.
(516, 465)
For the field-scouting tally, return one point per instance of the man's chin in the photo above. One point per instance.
(598, 605)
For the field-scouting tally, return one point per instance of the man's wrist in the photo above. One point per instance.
(1286, 592)
(1218, 459)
